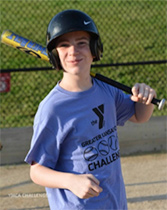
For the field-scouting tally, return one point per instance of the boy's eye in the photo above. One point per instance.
(82, 43)
(62, 44)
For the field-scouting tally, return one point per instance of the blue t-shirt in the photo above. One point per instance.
(76, 132)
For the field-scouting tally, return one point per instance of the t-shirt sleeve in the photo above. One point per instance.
(44, 147)
(125, 107)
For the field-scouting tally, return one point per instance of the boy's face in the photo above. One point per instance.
(74, 52)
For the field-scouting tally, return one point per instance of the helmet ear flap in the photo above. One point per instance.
(54, 59)
(96, 48)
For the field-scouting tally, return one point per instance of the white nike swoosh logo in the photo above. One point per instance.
(87, 22)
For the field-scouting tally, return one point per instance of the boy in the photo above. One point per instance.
(75, 151)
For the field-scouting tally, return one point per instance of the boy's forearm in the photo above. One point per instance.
(84, 185)
(142, 113)
(49, 178)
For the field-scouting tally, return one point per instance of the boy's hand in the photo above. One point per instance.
(142, 93)
(85, 186)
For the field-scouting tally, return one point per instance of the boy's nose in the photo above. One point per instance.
(73, 50)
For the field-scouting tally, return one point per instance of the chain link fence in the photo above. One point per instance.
(133, 32)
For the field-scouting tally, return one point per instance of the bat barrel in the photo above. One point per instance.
(25, 45)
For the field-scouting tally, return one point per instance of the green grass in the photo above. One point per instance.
(131, 31)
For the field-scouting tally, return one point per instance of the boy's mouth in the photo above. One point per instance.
(75, 61)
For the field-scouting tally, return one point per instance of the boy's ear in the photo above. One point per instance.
(54, 59)
(96, 48)
(93, 56)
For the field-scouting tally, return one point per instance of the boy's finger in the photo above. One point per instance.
(96, 188)
(150, 96)
(135, 89)
(95, 184)
(94, 179)
(146, 94)
(94, 193)
(141, 91)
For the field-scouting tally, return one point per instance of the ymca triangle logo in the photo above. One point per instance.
(99, 111)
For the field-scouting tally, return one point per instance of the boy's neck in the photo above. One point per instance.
(75, 83)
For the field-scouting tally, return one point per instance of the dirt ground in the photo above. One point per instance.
(145, 178)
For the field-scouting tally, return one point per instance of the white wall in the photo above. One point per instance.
(133, 138)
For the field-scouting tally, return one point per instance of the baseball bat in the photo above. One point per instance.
(14, 40)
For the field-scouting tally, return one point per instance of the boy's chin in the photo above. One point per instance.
(75, 71)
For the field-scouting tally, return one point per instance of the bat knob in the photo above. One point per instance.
(161, 104)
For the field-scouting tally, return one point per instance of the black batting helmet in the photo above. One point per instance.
(70, 21)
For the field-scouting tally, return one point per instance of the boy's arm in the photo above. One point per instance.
(83, 186)
(143, 94)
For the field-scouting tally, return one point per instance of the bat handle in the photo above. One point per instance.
(159, 103)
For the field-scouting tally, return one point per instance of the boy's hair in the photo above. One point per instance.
(70, 21)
